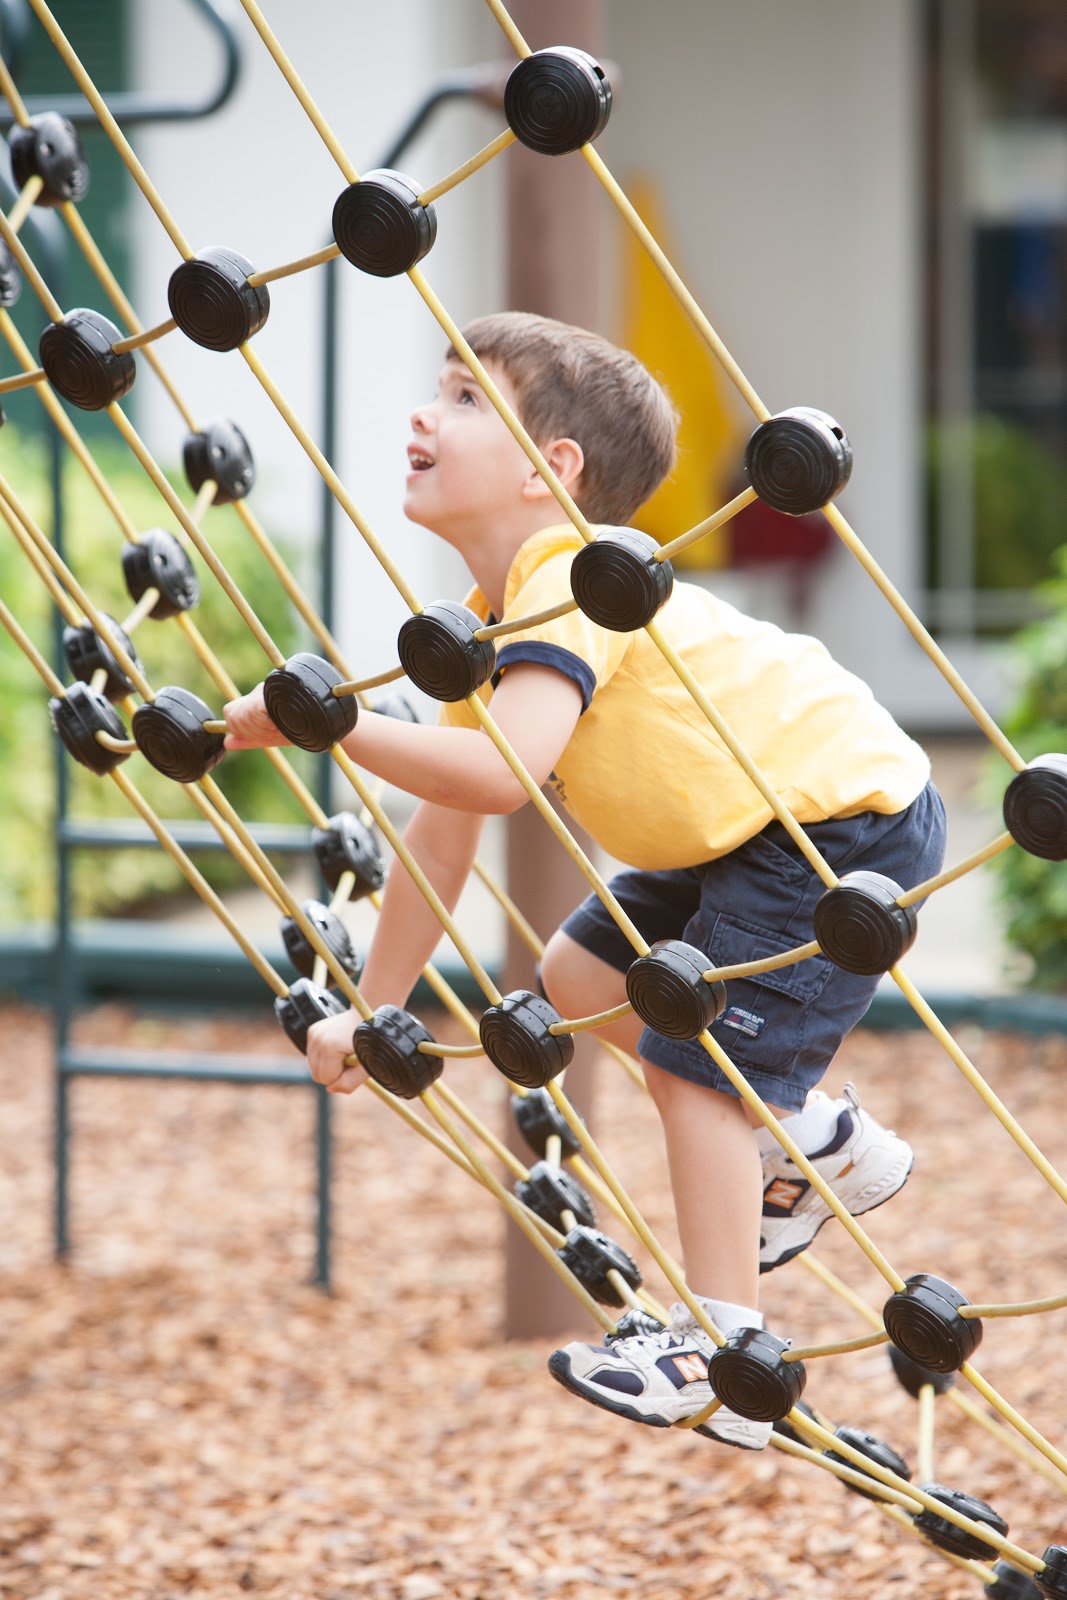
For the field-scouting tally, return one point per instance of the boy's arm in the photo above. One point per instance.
(535, 707)
(463, 777)
(444, 844)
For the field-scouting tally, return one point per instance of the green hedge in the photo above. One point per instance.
(1020, 500)
(1034, 892)
(111, 881)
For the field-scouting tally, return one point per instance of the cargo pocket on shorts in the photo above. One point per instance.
(763, 1022)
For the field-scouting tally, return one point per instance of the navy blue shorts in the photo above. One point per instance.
(783, 1028)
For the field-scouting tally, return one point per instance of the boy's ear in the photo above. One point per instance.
(566, 459)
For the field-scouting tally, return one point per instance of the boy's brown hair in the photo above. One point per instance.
(573, 384)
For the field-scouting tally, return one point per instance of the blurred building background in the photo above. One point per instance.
(868, 198)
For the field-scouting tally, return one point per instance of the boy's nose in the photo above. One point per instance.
(419, 418)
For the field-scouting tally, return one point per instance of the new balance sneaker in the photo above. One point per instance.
(862, 1162)
(659, 1378)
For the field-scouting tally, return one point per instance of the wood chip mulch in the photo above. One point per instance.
(184, 1415)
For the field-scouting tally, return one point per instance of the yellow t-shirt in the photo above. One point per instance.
(644, 771)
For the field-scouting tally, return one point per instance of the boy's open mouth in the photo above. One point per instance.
(418, 460)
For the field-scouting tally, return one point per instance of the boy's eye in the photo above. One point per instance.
(466, 397)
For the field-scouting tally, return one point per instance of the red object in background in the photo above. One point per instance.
(759, 536)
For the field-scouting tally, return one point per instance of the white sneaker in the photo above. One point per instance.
(659, 1378)
(863, 1163)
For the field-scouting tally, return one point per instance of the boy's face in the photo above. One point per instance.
(465, 471)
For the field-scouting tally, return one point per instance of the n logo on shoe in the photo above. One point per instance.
(691, 1368)
(782, 1194)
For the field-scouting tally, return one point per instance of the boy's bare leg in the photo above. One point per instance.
(713, 1159)
(705, 1130)
(579, 984)
(717, 1185)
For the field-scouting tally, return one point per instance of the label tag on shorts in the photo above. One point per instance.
(744, 1021)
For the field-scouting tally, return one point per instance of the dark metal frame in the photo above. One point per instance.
(482, 84)
(129, 109)
(72, 835)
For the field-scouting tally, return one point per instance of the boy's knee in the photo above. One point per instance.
(552, 970)
(668, 1089)
(661, 1085)
(577, 982)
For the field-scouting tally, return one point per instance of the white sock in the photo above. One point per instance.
(810, 1129)
(727, 1316)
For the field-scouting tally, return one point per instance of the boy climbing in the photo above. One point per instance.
(602, 715)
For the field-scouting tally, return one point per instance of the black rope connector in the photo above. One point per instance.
(749, 1375)
(538, 1118)
(591, 1255)
(669, 992)
(876, 1450)
(859, 925)
(557, 99)
(923, 1319)
(347, 845)
(212, 301)
(10, 277)
(948, 1535)
(440, 654)
(1051, 1581)
(915, 1378)
(786, 1428)
(550, 1191)
(617, 581)
(387, 1045)
(219, 453)
(88, 653)
(330, 929)
(397, 706)
(50, 149)
(380, 226)
(304, 1005)
(798, 460)
(516, 1039)
(634, 1321)
(78, 716)
(1035, 807)
(170, 734)
(80, 364)
(1011, 1584)
(300, 702)
(158, 561)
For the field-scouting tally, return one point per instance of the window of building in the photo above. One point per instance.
(100, 30)
(995, 150)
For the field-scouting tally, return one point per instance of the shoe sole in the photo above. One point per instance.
(559, 1365)
(704, 1429)
(872, 1205)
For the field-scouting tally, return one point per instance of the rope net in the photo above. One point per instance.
(111, 712)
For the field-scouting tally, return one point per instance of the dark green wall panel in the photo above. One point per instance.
(98, 31)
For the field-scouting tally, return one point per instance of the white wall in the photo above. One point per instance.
(785, 140)
(784, 135)
(258, 179)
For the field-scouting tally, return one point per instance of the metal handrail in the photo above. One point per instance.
(130, 108)
(484, 85)
(15, 18)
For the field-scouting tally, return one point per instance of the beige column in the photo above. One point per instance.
(554, 206)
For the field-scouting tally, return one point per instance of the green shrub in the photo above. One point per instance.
(1034, 892)
(109, 881)
(1020, 500)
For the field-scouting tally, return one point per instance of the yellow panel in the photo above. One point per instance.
(711, 430)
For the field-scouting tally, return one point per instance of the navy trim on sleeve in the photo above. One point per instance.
(549, 655)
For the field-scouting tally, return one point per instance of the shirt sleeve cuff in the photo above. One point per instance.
(549, 655)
